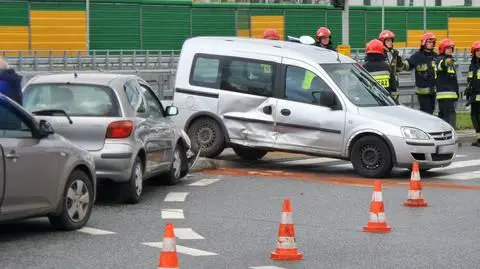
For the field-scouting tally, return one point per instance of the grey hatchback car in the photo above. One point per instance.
(119, 120)
(42, 173)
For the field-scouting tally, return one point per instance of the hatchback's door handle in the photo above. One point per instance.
(12, 155)
(267, 110)
(285, 112)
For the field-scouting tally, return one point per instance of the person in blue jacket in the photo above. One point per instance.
(10, 82)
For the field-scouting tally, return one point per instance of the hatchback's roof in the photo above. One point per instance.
(81, 78)
(308, 53)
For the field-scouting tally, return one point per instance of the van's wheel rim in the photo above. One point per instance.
(371, 157)
(138, 179)
(78, 200)
(206, 136)
(177, 163)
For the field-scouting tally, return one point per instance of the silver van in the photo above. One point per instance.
(257, 95)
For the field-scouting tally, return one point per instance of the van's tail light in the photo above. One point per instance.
(119, 129)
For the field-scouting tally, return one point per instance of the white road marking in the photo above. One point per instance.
(182, 249)
(94, 231)
(176, 197)
(172, 214)
(187, 234)
(266, 267)
(204, 182)
(462, 176)
(459, 164)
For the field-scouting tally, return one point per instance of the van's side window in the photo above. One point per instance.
(251, 77)
(304, 86)
(205, 72)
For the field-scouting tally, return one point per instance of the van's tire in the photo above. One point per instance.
(371, 157)
(179, 167)
(208, 133)
(249, 154)
(81, 196)
(133, 189)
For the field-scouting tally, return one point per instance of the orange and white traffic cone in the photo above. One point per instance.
(168, 256)
(415, 195)
(377, 222)
(286, 247)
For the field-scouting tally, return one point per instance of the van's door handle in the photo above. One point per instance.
(285, 112)
(267, 110)
(12, 155)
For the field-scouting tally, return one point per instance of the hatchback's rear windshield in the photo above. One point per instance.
(77, 100)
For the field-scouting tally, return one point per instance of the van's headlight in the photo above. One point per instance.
(414, 133)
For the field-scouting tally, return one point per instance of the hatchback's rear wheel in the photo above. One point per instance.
(371, 157)
(207, 133)
(76, 204)
(178, 168)
(133, 189)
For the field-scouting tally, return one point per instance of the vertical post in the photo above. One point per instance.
(345, 24)
(87, 10)
(424, 15)
(383, 15)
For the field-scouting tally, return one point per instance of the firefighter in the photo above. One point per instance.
(447, 83)
(376, 64)
(395, 62)
(473, 90)
(271, 34)
(324, 37)
(425, 72)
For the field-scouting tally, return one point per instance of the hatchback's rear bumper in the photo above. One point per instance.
(114, 162)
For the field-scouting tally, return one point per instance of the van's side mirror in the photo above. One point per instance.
(327, 99)
(172, 110)
(45, 128)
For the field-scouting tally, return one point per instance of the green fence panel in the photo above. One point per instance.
(374, 24)
(115, 26)
(14, 14)
(165, 27)
(303, 22)
(58, 6)
(395, 21)
(213, 22)
(357, 28)
(415, 20)
(334, 23)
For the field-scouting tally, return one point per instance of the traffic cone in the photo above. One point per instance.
(377, 222)
(415, 196)
(286, 247)
(168, 256)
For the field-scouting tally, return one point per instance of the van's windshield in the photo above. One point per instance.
(359, 87)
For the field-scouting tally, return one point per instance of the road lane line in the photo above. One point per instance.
(172, 214)
(266, 267)
(89, 230)
(462, 176)
(176, 197)
(459, 164)
(181, 249)
(187, 234)
(204, 182)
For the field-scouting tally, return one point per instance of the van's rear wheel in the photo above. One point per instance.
(249, 154)
(207, 133)
(371, 157)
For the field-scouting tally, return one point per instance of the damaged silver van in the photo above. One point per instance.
(257, 95)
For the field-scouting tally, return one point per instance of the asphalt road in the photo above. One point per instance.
(232, 222)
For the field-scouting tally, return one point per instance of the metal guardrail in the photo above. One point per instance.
(159, 67)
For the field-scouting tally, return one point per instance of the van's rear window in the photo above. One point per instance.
(77, 100)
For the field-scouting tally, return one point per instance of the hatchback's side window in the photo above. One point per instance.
(134, 97)
(205, 72)
(154, 107)
(302, 85)
(250, 77)
(12, 126)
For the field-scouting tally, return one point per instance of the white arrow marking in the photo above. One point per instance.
(172, 214)
(94, 231)
(176, 197)
(204, 182)
(182, 249)
(187, 234)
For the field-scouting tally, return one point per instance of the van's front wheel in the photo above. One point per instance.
(207, 133)
(371, 157)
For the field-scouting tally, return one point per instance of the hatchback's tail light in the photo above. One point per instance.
(119, 129)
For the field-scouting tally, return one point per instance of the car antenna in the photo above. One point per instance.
(338, 57)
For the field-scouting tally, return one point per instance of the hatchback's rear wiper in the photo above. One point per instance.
(51, 112)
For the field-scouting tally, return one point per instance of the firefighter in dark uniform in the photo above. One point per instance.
(447, 83)
(473, 90)
(324, 39)
(425, 73)
(394, 60)
(376, 64)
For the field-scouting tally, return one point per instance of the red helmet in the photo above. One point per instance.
(445, 43)
(323, 32)
(271, 34)
(374, 46)
(386, 34)
(475, 46)
(428, 36)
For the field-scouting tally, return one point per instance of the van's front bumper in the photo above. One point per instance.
(428, 153)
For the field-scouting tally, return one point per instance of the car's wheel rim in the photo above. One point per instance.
(138, 179)
(177, 163)
(371, 157)
(77, 201)
(206, 135)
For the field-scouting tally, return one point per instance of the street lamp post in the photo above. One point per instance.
(87, 10)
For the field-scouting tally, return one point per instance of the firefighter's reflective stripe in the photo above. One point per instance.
(470, 74)
(422, 67)
(434, 69)
(383, 77)
(446, 95)
(307, 81)
(423, 91)
(450, 69)
(478, 74)
(477, 98)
